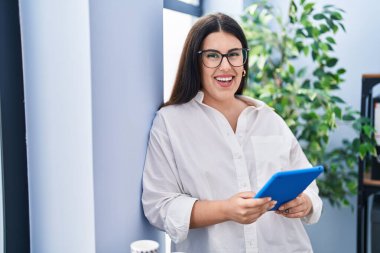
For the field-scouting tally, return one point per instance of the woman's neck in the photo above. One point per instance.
(225, 106)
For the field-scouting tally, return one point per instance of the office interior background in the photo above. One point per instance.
(94, 73)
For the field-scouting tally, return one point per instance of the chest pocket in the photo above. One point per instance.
(271, 154)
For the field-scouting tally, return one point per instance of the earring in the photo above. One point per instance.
(244, 72)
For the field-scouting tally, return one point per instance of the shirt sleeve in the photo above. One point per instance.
(298, 160)
(165, 204)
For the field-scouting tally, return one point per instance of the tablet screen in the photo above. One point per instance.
(285, 186)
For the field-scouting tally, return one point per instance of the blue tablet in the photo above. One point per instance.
(287, 185)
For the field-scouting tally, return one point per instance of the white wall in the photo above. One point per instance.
(127, 74)
(232, 8)
(93, 80)
(359, 48)
(57, 79)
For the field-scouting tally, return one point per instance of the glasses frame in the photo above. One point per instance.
(200, 52)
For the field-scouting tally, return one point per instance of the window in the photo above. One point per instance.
(14, 183)
(176, 27)
(191, 7)
(179, 16)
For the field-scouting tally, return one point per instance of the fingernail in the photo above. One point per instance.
(269, 199)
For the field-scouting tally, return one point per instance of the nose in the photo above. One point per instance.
(225, 64)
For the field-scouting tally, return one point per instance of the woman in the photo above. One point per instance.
(211, 149)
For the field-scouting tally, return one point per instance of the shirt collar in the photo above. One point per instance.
(256, 104)
(199, 97)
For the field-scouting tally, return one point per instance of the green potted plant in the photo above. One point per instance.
(304, 96)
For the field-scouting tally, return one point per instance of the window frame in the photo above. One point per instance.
(14, 171)
(176, 5)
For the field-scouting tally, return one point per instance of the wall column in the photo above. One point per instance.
(127, 79)
(57, 83)
(93, 81)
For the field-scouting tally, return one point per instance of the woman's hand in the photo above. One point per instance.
(244, 209)
(297, 208)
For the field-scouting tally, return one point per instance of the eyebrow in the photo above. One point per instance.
(214, 50)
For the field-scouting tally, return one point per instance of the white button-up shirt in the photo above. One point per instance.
(193, 154)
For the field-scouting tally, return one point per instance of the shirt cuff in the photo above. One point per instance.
(177, 220)
(316, 210)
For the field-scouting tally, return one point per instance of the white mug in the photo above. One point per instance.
(144, 246)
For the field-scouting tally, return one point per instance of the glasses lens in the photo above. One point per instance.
(211, 59)
(237, 57)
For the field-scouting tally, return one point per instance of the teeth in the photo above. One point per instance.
(224, 79)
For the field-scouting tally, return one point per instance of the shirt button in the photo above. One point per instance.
(237, 156)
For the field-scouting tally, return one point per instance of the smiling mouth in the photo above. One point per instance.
(224, 81)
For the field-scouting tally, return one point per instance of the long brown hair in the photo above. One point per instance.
(188, 79)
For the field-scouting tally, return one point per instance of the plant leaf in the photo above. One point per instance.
(331, 62)
(341, 71)
(331, 40)
(304, 97)
(337, 99)
(319, 16)
(336, 16)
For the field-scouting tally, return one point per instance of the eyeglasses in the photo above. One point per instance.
(213, 58)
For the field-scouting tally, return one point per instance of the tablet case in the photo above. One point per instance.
(287, 185)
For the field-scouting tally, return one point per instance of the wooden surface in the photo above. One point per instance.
(371, 75)
(368, 181)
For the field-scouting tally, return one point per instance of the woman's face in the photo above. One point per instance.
(221, 83)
